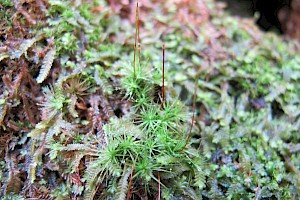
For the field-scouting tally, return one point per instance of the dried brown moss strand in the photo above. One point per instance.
(130, 183)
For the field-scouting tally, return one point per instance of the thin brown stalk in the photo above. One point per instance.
(138, 22)
(139, 53)
(163, 77)
(158, 176)
(134, 48)
(194, 111)
(136, 38)
(138, 31)
(130, 183)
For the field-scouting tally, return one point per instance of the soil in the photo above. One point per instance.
(281, 16)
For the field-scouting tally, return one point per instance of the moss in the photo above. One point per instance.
(79, 118)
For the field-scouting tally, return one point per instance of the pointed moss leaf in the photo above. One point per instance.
(77, 147)
(47, 64)
(58, 4)
(2, 112)
(275, 91)
(3, 56)
(71, 106)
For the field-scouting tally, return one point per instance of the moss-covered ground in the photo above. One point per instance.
(85, 113)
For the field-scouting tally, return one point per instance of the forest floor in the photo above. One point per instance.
(172, 99)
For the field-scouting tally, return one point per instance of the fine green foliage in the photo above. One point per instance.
(154, 143)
